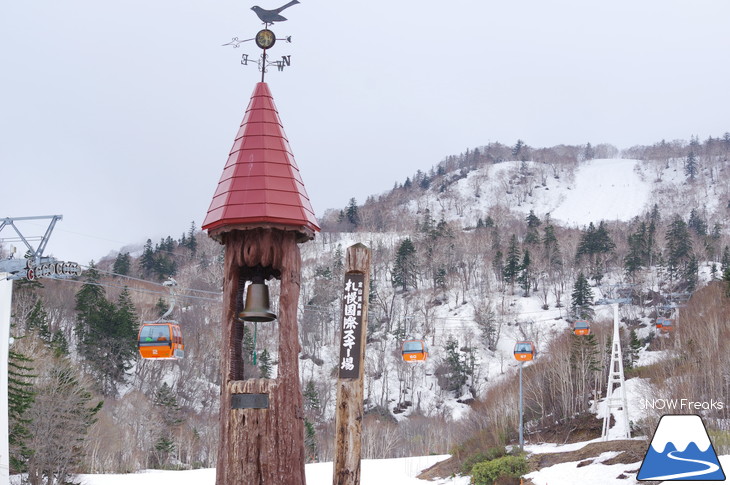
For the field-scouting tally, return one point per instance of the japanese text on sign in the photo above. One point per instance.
(351, 326)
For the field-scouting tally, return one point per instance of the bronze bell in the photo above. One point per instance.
(257, 304)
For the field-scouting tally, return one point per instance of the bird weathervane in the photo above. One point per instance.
(265, 38)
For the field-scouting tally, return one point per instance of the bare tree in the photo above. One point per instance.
(61, 416)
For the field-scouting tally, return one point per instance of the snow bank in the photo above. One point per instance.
(374, 472)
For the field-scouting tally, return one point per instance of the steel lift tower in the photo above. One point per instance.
(616, 396)
(11, 268)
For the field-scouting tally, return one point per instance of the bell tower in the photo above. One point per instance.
(261, 213)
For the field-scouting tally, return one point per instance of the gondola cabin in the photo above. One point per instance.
(161, 340)
(667, 325)
(414, 350)
(524, 351)
(582, 327)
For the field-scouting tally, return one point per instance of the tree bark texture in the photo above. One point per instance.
(350, 392)
(261, 446)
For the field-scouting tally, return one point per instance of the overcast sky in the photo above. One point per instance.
(120, 115)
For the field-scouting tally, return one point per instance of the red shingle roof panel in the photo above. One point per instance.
(261, 183)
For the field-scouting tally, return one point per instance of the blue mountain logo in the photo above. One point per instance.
(681, 449)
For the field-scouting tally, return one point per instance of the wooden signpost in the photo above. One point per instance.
(350, 383)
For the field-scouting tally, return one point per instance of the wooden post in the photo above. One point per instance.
(350, 383)
(261, 420)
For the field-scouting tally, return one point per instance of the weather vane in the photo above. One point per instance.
(265, 38)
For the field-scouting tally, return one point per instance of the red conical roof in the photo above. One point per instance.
(261, 185)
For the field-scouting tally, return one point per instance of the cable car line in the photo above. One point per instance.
(151, 282)
(140, 290)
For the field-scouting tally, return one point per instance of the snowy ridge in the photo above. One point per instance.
(595, 190)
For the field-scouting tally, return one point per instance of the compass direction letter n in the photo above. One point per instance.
(285, 61)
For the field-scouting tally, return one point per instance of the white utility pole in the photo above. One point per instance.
(6, 294)
(616, 378)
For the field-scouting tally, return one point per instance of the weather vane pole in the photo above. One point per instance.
(265, 38)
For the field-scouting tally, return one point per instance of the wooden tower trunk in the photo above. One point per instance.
(261, 445)
(260, 212)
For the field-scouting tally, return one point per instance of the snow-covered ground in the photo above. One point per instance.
(597, 473)
(604, 190)
(401, 471)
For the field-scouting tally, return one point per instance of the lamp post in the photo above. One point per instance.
(522, 438)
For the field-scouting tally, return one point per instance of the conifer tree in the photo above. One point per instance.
(725, 261)
(37, 321)
(634, 348)
(636, 257)
(697, 223)
(265, 364)
(512, 265)
(310, 442)
(533, 222)
(589, 153)
(20, 398)
(312, 404)
(486, 319)
(192, 243)
(404, 269)
(518, 150)
(456, 366)
(595, 243)
(170, 418)
(147, 259)
(525, 277)
(106, 333)
(122, 264)
(691, 273)
(582, 299)
(691, 167)
(351, 213)
(551, 248)
(678, 247)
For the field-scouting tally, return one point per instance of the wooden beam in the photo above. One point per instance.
(350, 383)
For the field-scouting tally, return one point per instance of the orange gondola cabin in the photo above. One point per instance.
(414, 350)
(161, 340)
(524, 351)
(664, 324)
(582, 327)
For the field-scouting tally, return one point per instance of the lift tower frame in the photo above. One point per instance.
(14, 269)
